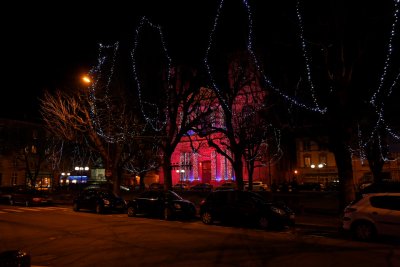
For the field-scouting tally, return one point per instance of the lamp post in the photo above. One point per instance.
(86, 79)
(319, 167)
(80, 170)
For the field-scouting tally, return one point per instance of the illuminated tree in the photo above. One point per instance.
(101, 118)
(339, 41)
(346, 65)
(239, 129)
(170, 97)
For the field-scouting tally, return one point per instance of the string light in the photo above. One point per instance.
(305, 54)
(159, 121)
(266, 80)
(389, 53)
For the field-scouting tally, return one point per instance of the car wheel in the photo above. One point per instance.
(76, 207)
(364, 231)
(207, 218)
(99, 209)
(263, 222)
(167, 214)
(131, 211)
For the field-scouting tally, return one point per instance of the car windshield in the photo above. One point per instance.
(257, 197)
(173, 196)
(108, 194)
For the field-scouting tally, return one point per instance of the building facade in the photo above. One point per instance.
(20, 157)
(316, 164)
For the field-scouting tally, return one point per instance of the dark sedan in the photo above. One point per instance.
(99, 200)
(203, 187)
(165, 204)
(29, 197)
(243, 207)
(6, 194)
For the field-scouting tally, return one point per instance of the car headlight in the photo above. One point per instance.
(278, 210)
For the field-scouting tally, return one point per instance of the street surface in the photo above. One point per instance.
(57, 236)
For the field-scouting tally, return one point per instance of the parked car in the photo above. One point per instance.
(245, 207)
(156, 186)
(381, 187)
(202, 187)
(29, 197)
(310, 186)
(226, 185)
(164, 204)
(373, 215)
(99, 200)
(5, 194)
(180, 187)
(257, 186)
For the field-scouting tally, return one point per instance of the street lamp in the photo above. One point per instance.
(64, 178)
(320, 166)
(86, 79)
(80, 170)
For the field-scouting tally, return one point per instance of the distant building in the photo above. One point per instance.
(19, 154)
(316, 164)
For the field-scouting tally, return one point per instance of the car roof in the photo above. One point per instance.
(381, 194)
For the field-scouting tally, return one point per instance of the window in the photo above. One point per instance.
(386, 202)
(323, 159)
(14, 177)
(306, 145)
(307, 161)
(185, 166)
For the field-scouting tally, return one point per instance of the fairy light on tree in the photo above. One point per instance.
(183, 102)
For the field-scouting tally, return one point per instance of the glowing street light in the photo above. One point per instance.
(86, 79)
(81, 169)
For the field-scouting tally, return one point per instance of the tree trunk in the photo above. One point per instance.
(375, 160)
(238, 168)
(250, 170)
(141, 180)
(345, 173)
(167, 171)
(117, 178)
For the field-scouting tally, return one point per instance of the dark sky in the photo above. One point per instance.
(49, 44)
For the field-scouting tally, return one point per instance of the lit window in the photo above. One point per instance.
(307, 161)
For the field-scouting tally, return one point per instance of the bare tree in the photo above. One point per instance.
(240, 129)
(72, 118)
(171, 97)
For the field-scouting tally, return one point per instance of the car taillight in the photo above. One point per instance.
(202, 202)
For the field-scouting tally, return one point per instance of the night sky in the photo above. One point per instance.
(48, 45)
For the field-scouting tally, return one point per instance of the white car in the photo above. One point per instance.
(257, 186)
(375, 214)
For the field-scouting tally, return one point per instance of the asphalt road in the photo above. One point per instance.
(57, 236)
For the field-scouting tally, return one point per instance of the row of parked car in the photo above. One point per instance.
(372, 214)
(225, 206)
(369, 216)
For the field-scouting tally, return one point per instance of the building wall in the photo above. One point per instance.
(327, 172)
(206, 165)
(13, 170)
